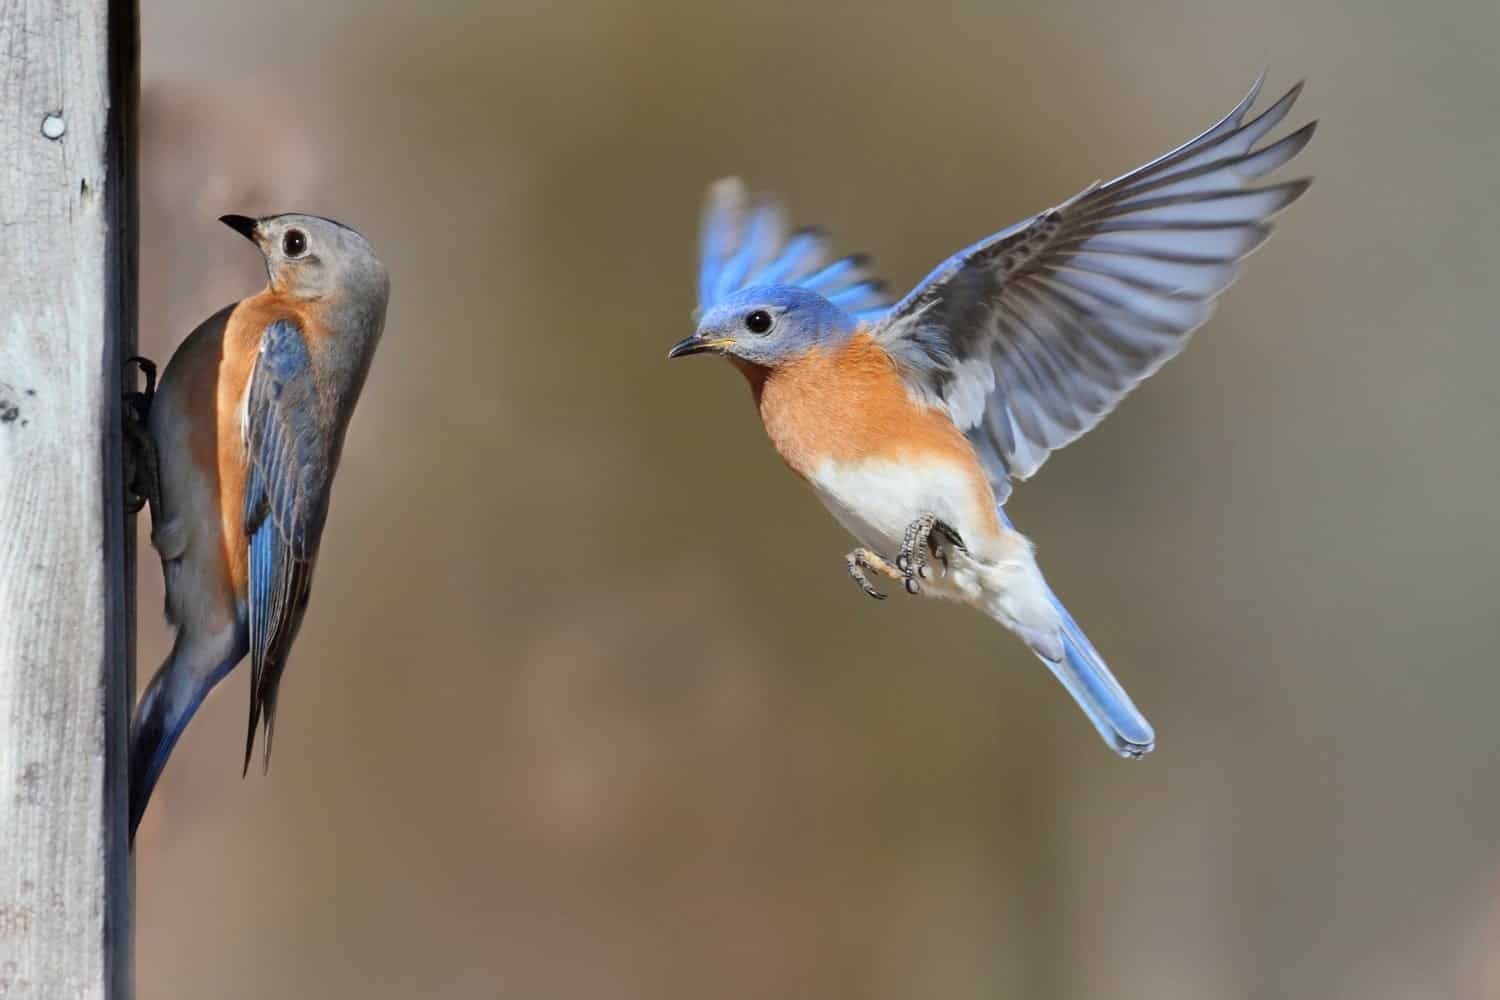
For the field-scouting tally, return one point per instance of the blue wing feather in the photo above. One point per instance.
(744, 244)
(286, 502)
(864, 296)
(802, 255)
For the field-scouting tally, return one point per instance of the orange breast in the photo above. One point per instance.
(849, 404)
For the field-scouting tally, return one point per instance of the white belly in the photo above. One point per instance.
(875, 500)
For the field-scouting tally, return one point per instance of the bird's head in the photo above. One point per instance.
(312, 258)
(767, 326)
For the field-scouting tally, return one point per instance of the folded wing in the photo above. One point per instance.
(286, 505)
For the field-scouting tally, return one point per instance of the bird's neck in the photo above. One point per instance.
(755, 376)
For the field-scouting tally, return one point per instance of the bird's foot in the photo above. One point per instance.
(862, 559)
(925, 534)
(142, 483)
(912, 559)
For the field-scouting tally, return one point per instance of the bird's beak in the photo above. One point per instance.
(242, 224)
(699, 345)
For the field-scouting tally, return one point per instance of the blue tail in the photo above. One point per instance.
(1094, 688)
(164, 711)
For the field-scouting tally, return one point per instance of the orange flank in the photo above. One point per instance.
(238, 346)
(848, 405)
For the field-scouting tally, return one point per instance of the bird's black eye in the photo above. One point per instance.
(294, 243)
(758, 321)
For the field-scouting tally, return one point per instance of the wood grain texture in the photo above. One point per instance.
(67, 320)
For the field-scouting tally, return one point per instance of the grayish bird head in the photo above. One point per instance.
(312, 258)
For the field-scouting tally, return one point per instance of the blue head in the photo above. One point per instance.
(767, 326)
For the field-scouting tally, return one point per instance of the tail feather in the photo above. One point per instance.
(173, 696)
(1082, 671)
(1094, 688)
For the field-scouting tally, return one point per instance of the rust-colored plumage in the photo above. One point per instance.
(848, 404)
(218, 445)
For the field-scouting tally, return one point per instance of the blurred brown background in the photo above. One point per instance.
(585, 706)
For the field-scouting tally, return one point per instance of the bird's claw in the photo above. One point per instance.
(142, 485)
(925, 534)
(862, 559)
(912, 559)
(950, 536)
(910, 566)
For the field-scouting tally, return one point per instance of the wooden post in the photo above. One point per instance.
(68, 235)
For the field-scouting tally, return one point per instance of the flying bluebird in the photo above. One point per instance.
(910, 419)
(247, 426)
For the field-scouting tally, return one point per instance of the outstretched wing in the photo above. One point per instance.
(286, 504)
(1029, 337)
(745, 244)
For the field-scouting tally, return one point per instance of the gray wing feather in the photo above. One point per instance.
(1030, 336)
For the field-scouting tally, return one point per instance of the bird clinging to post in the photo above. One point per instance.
(247, 426)
(909, 420)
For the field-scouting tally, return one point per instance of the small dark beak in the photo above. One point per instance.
(696, 345)
(242, 224)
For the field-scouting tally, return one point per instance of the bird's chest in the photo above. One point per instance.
(876, 458)
(844, 404)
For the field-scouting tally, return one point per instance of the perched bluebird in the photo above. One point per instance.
(247, 426)
(909, 419)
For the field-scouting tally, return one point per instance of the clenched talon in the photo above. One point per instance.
(913, 557)
(949, 535)
(925, 534)
(862, 559)
(857, 565)
(941, 533)
(141, 482)
(910, 565)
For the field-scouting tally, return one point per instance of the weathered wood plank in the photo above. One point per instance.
(67, 320)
